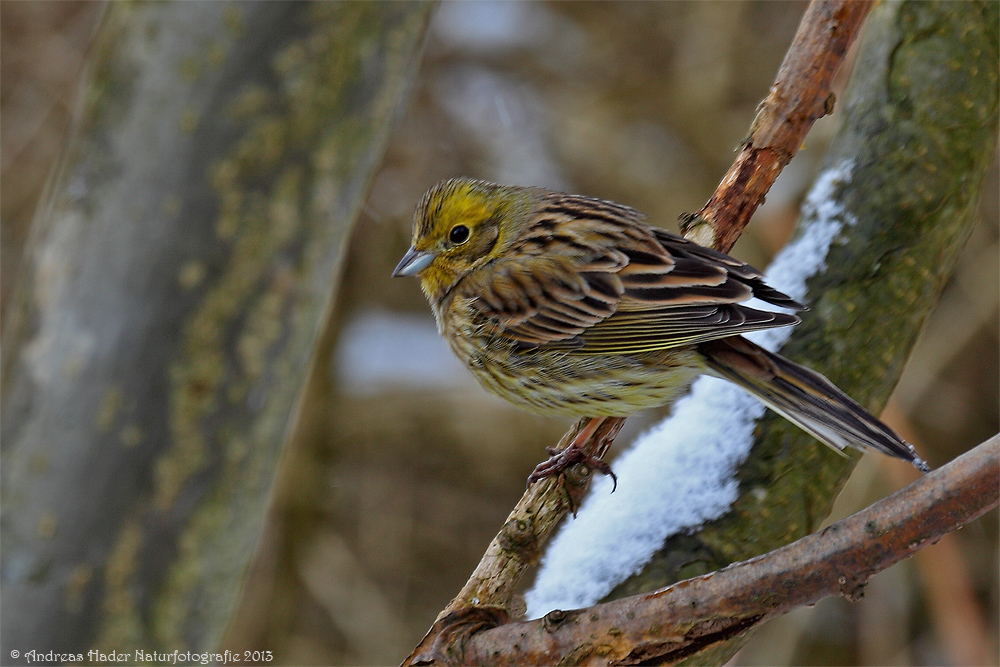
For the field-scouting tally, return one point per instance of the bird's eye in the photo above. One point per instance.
(459, 234)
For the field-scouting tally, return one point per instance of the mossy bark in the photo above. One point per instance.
(175, 282)
(920, 128)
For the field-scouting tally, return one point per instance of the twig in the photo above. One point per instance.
(800, 94)
(668, 625)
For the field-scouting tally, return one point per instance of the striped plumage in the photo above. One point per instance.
(569, 305)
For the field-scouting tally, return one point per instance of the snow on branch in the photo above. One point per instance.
(799, 96)
(681, 473)
(667, 625)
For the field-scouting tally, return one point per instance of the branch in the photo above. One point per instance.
(530, 524)
(905, 211)
(667, 625)
(799, 96)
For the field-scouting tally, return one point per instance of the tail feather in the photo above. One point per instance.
(805, 398)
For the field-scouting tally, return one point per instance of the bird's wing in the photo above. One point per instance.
(615, 285)
(544, 300)
(656, 314)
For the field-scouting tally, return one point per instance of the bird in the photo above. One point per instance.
(570, 305)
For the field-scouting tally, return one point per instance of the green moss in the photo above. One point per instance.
(121, 618)
(920, 128)
(109, 409)
(299, 145)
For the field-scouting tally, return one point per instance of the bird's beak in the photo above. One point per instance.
(414, 261)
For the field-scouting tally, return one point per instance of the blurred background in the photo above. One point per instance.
(403, 469)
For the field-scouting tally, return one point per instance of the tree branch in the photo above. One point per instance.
(799, 96)
(917, 156)
(668, 625)
(530, 524)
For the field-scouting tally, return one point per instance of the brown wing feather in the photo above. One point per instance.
(616, 285)
(539, 300)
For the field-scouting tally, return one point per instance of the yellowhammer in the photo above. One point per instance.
(569, 305)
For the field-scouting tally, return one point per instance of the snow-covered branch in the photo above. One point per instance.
(885, 221)
(798, 98)
(667, 625)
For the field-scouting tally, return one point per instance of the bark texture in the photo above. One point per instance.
(919, 127)
(174, 286)
(664, 626)
(797, 99)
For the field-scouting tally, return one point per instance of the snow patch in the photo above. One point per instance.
(680, 474)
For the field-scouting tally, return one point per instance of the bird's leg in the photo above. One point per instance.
(561, 459)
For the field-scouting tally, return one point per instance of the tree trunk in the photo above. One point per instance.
(919, 127)
(173, 290)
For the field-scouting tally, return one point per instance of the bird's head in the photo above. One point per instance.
(460, 225)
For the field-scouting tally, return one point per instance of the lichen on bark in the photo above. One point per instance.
(919, 126)
(175, 286)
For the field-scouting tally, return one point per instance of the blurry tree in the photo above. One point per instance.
(174, 284)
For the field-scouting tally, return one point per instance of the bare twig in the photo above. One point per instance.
(667, 625)
(799, 96)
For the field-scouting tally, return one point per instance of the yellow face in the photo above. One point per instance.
(458, 226)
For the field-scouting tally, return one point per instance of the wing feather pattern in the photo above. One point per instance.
(616, 285)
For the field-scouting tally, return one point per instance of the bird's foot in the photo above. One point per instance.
(561, 459)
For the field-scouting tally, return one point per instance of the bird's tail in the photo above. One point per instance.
(805, 398)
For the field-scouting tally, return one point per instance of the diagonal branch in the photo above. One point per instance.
(799, 96)
(667, 625)
(531, 523)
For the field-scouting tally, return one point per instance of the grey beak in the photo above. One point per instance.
(414, 261)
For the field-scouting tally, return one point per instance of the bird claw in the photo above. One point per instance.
(561, 459)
